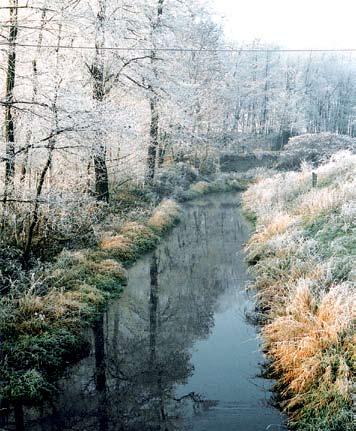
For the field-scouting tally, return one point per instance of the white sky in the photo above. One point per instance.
(291, 23)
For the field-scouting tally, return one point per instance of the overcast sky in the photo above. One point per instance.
(291, 23)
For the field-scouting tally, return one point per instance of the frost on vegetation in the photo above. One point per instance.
(165, 215)
(304, 251)
(47, 311)
(315, 149)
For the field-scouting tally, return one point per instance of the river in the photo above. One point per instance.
(175, 351)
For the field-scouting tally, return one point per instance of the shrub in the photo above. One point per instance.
(173, 179)
(314, 148)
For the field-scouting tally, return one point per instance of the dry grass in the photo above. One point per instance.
(200, 187)
(277, 226)
(165, 215)
(36, 314)
(320, 201)
(108, 267)
(303, 236)
(133, 239)
(308, 343)
(117, 242)
(137, 231)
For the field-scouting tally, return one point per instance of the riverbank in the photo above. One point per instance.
(42, 328)
(174, 350)
(303, 255)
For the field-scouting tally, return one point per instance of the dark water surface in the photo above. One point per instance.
(175, 351)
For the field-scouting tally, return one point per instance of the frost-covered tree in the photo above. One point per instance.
(96, 93)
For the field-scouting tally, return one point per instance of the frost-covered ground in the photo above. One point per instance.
(304, 256)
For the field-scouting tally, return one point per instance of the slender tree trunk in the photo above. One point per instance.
(265, 97)
(162, 149)
(98, 75)
(9, 128)
(101, 173)
(154, 126)
(35, 213)
(48, 164)
(24, 166)
(154, 141)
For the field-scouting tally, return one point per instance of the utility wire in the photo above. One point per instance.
(227, 50)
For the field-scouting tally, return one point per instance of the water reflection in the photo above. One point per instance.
(148, 349)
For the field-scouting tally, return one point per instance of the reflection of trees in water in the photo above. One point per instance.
(141, 347)
(100, 374)
(142, 396)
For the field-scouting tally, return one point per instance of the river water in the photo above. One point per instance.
(175, 352)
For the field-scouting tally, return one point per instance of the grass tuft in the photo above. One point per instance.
(164, 216)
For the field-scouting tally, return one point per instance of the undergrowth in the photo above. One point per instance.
(43, 316)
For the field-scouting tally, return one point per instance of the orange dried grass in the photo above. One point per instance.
(164, 215)
(279, 225)
(117, 242)
(299, 341)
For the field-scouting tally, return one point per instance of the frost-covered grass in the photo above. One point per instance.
(42, 318)
(304, 256)
(164, 216)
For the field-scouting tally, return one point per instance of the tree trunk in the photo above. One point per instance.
(101, 173)
(162, 149)
(265, 97)
(47, 166)
(153, 146)
(97, 72)
(24, 166)
(9, 128)
(35, 213)
(154, 127)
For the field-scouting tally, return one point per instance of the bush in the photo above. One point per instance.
(314, 148)
(172, 180)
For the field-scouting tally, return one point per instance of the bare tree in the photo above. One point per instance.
(154, 101)
(9, 127)
(98, 74)
(50, 148)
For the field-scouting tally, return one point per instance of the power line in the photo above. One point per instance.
(179, 49)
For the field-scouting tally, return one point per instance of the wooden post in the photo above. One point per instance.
(314, 179)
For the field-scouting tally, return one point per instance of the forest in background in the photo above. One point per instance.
(92, 99)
